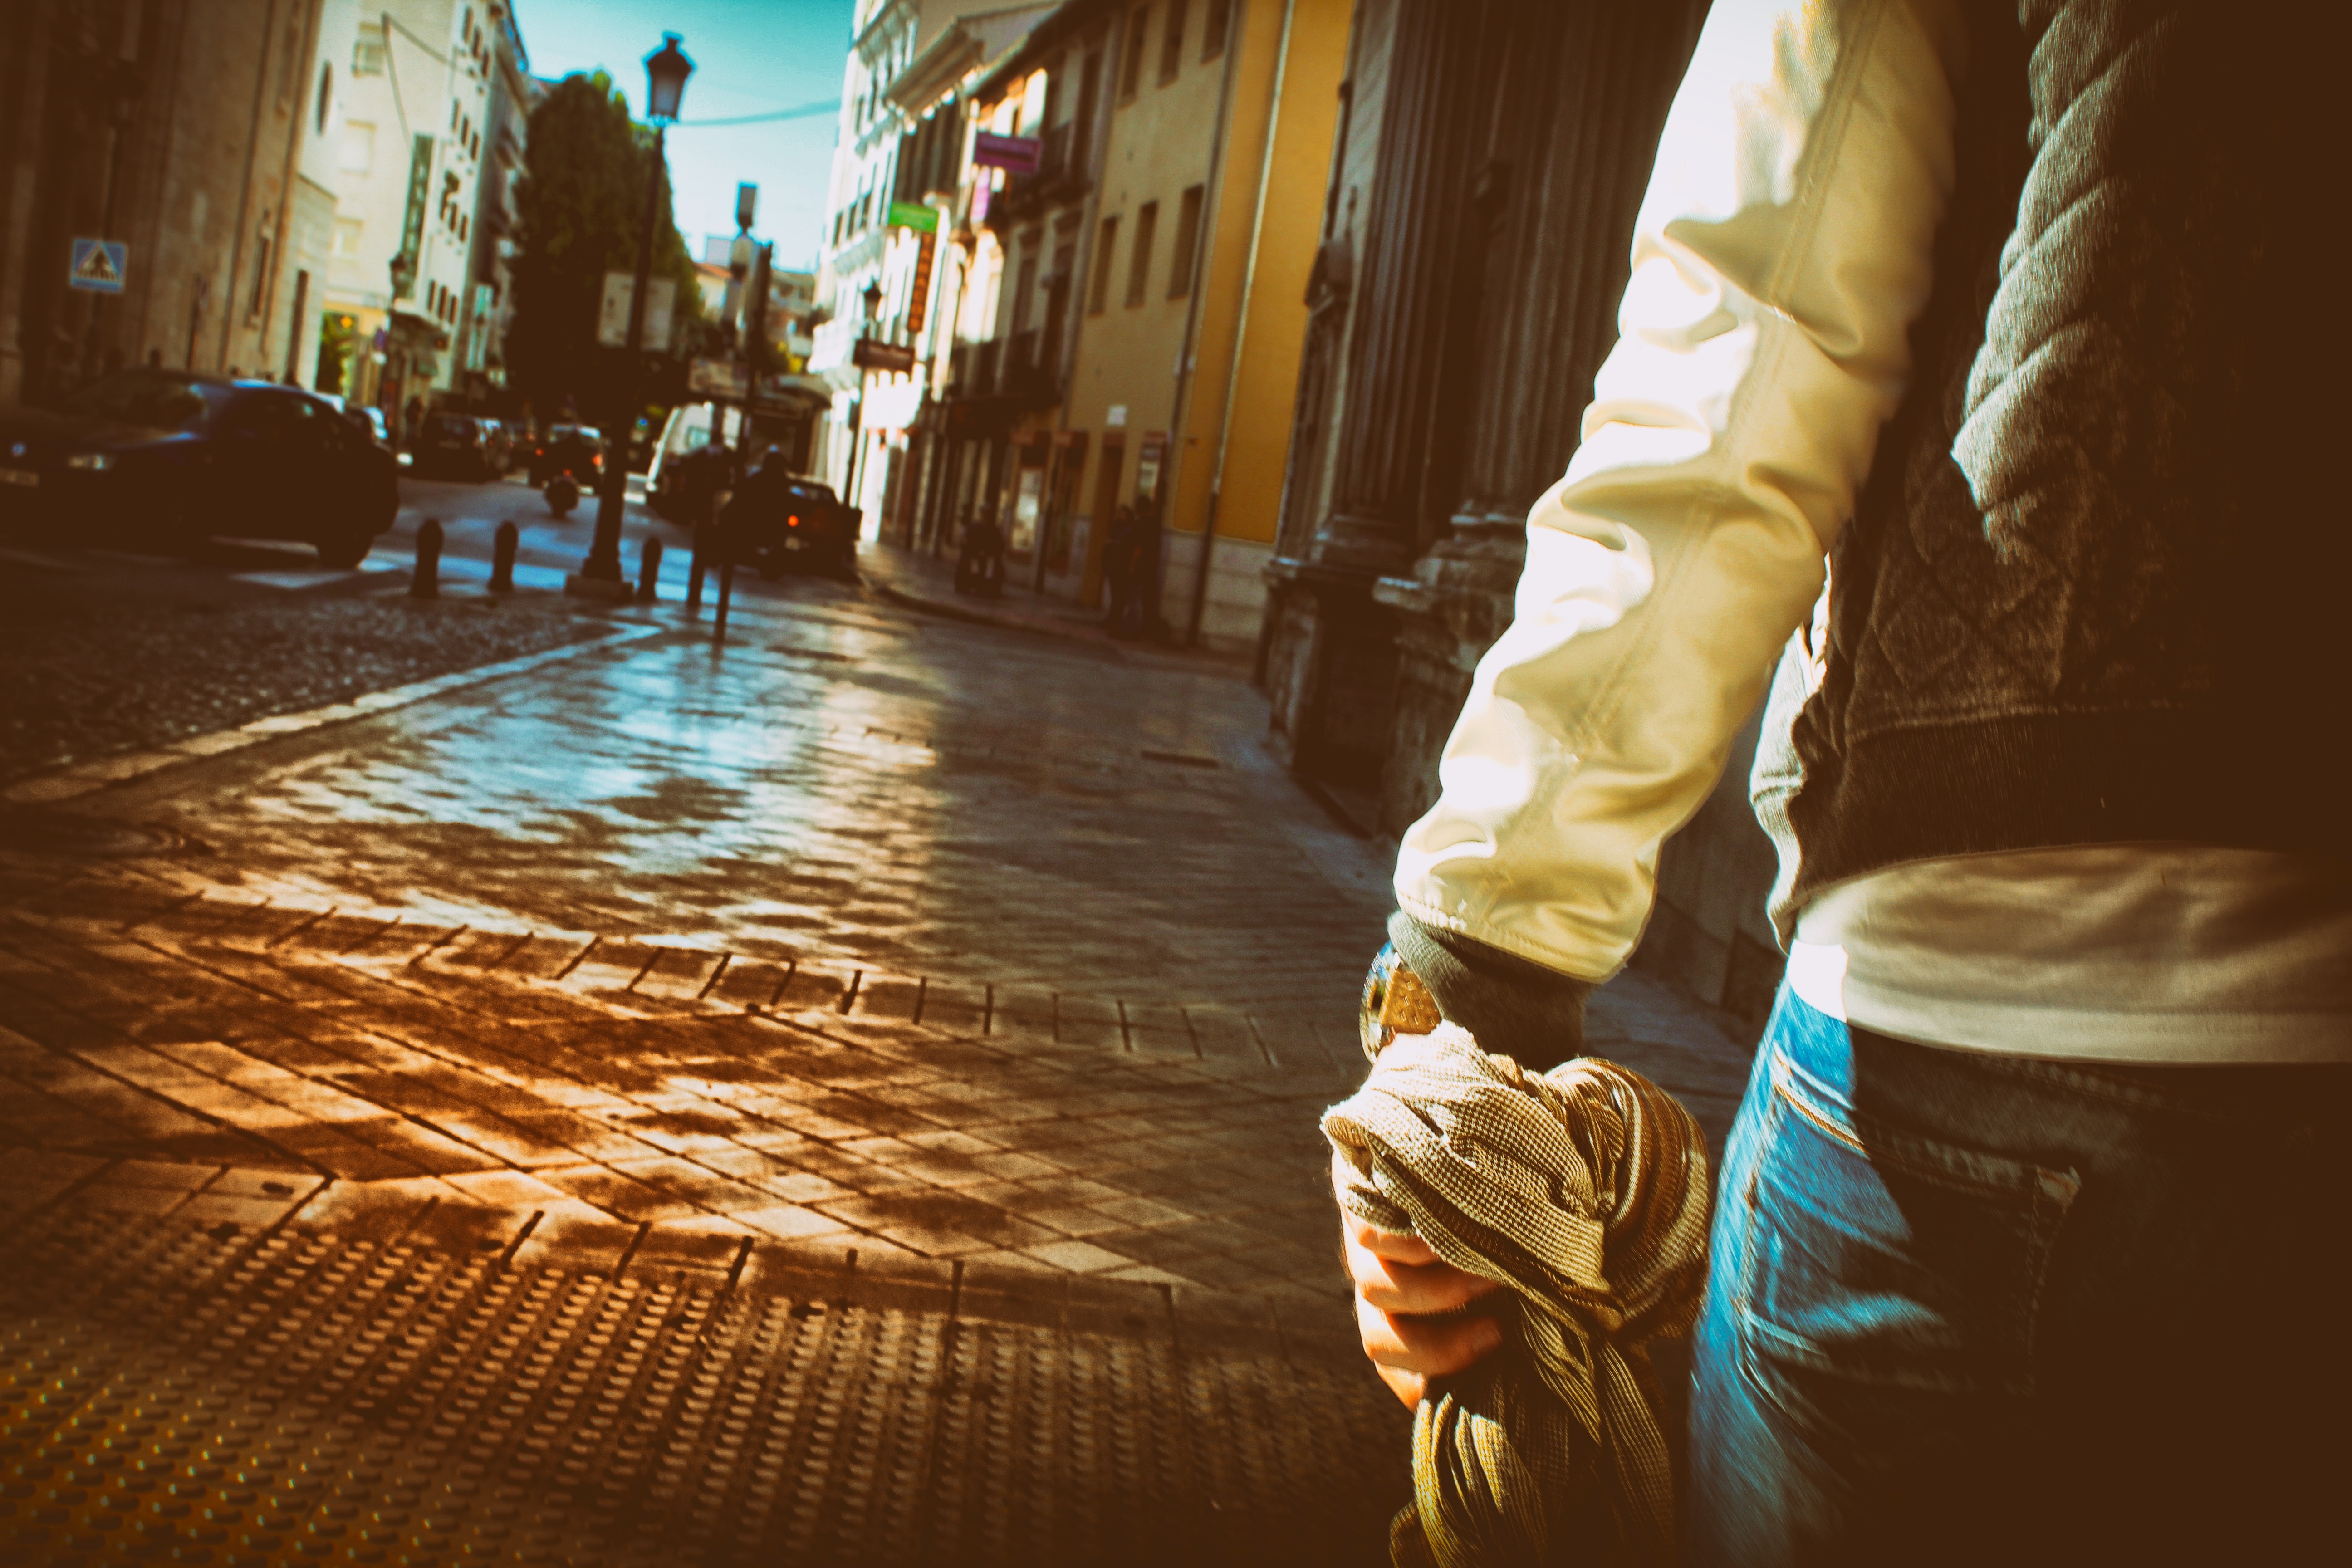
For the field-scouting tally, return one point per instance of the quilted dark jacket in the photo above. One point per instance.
(2095, 589)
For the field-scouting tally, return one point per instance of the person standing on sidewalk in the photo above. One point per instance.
(1960, 366)
(1122, 555)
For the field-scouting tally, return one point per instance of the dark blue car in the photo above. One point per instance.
(164, 459)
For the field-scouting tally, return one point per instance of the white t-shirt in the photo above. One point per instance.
(2139, 952)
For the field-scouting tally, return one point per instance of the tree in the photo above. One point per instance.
(580, 203)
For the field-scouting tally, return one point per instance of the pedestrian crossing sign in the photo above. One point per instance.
(98, 265)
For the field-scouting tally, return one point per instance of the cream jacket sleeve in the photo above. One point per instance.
(1781, 252)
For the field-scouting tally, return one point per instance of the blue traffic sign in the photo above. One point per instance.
(98, 265)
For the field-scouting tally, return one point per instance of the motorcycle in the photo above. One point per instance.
(563, 493)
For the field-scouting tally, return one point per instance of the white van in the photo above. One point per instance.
(689, 426)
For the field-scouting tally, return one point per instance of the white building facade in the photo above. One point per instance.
(429, 121)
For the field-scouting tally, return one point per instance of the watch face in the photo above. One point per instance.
(1395, 1003)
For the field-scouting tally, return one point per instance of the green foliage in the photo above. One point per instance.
(582, 201)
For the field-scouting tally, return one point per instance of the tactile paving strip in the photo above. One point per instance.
(183, 1394)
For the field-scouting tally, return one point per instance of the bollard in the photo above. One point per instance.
(726, 592)
(502, 555)
(694, 574)
(649, 572)
(426, 584)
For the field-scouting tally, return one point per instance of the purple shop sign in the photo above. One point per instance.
(1014, 154)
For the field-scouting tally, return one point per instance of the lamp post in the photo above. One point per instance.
(666, 70)
(872, 298)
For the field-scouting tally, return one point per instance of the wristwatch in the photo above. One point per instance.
(1395, 1003)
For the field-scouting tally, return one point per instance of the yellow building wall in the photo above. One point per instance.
(1264, 347)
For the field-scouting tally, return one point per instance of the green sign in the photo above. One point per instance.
(915, 215)
(412, 229)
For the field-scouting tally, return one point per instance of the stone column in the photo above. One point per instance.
(1428, 117)
(1575, 166)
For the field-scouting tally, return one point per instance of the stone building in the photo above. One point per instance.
(1476, 230)
(171, 129)
(261, 164)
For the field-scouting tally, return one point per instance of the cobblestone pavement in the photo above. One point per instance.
(848, 1098)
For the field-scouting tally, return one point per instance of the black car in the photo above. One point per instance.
(780, 524)
(457, 446)
(164, 457)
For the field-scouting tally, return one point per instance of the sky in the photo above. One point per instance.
(751, 57)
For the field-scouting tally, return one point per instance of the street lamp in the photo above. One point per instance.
(872, 298)
(666, 70)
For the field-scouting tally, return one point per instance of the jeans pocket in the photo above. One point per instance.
(1880, 1265)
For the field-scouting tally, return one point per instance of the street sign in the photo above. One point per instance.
(412, 225)
(715, 378)
(919, 298)
(873, 353)
(1014, 154)
(98, 265)
(612, 319)
(922, 219)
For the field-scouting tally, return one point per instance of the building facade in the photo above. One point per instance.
(262, 164)
(174, 130)
(1154, 250)
(416, 139)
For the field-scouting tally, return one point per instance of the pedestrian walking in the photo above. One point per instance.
(1955, 373)
(1122, 561)
(980, 566)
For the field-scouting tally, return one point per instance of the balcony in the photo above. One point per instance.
(1060, 177)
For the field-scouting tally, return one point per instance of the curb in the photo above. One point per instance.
(970, 616)
(86, 778)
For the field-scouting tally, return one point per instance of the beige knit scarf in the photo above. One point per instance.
(1583, 1190)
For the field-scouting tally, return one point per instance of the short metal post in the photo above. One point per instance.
(425, 581)
(726, 592)
(649, 572)
(502, 555)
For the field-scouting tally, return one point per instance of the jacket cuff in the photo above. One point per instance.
(1533, 1015)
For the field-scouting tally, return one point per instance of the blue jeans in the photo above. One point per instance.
(1969, 1307)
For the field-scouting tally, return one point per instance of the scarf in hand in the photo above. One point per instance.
(1584, 1191)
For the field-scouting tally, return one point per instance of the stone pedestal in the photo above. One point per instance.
(1449, 611)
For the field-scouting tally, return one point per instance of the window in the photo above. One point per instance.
(347, 237)
(1023, 294)
(1212, 30)
(358, 147)
(367, 55)
(1138, 266)
(1106, 245)
(1131, 65)
(1188, 235)
(326, 92)
(1171, 43)
(260, 276)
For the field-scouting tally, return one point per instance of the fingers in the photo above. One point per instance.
(1408, 1351)
(1410, 1306)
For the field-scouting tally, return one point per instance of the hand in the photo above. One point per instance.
(1409, 1307)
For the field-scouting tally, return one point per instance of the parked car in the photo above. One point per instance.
(368, 421)
(457, 446)
(780, 524)
(565, 438)
(164, 457)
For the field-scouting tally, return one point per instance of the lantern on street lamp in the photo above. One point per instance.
(666, 70)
